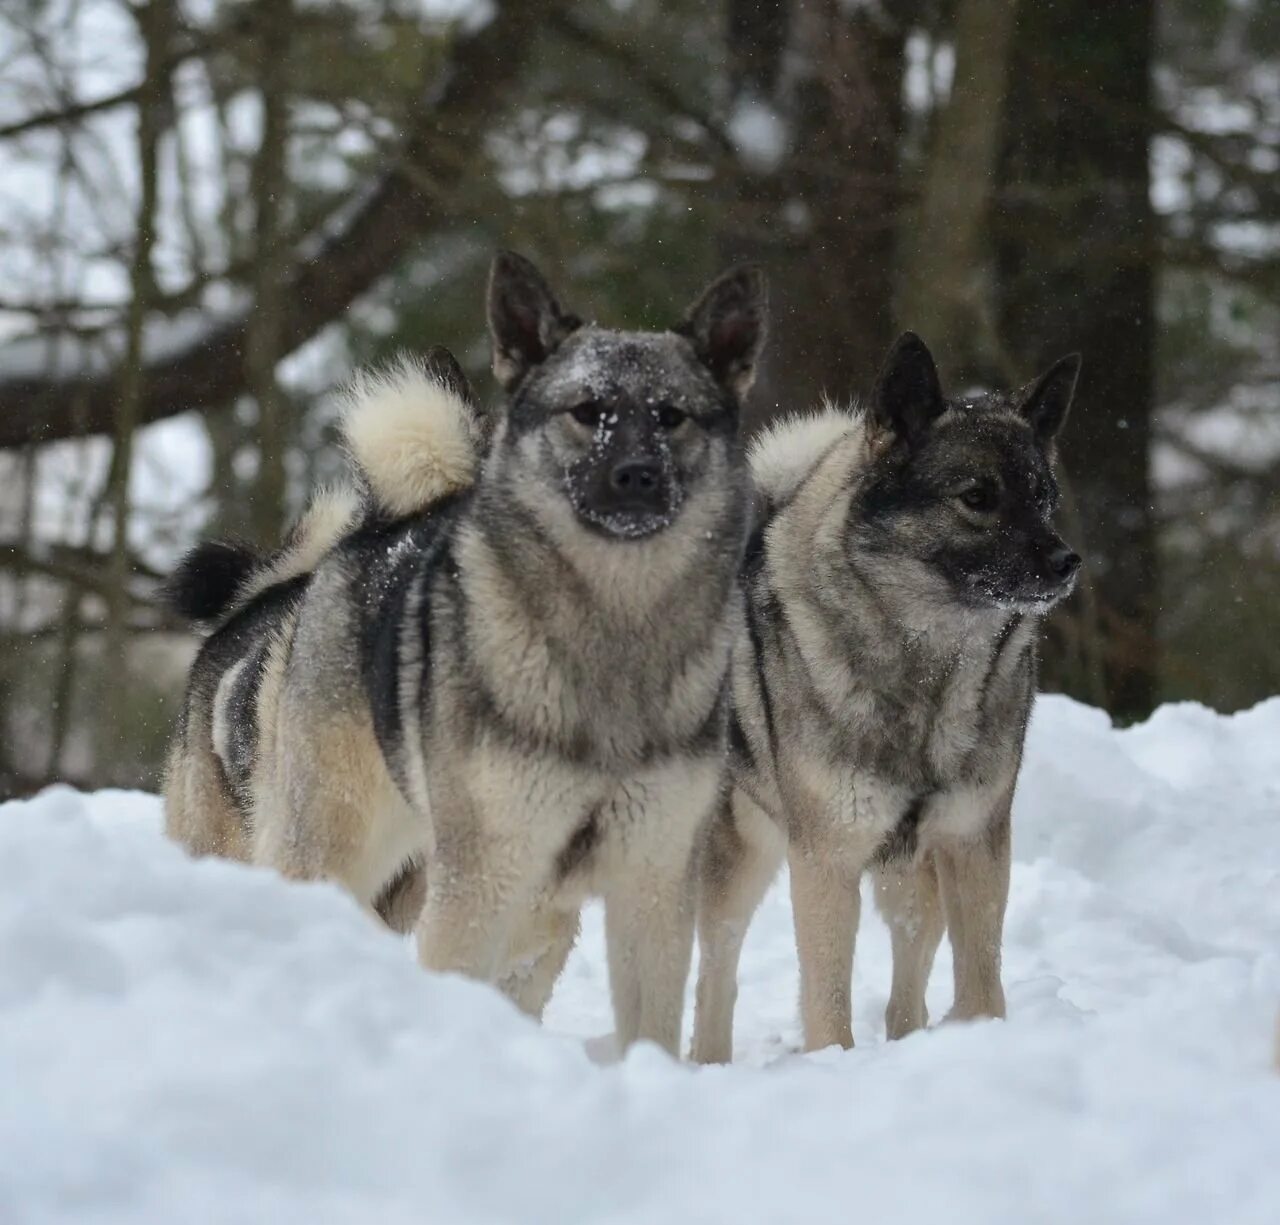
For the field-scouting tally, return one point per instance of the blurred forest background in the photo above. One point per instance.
(212, 210)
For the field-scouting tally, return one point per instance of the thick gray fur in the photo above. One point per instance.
(475, 715)
(882, 688)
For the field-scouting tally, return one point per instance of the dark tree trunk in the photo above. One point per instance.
(822, 217)
(944, 263)
(1075, 238)
(263, 348)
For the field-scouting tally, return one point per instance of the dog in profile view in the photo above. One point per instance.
(882, 687)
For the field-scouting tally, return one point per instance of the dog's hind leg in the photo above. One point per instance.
(199, 812)
(907, 897)
(975, 891)
(743, 852)
(326, 808)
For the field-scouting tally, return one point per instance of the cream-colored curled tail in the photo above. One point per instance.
(218, 578)
(415, 432)
(783, 456)
(333, 511)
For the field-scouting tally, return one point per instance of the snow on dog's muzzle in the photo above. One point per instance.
(624, 487)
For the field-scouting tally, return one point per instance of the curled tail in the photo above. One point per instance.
(415, 434)
(415, 431)
(209, 578)
(218, 578)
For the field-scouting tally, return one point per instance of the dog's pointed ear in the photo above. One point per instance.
(442, 366)
(1044, 402)
(727, 325)
(526, 323)
(907, 396)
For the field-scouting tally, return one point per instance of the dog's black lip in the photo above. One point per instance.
(625, 526)
(1030, 601)
(1024, 599)
(615, 525)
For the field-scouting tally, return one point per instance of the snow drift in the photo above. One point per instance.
(200, 1042)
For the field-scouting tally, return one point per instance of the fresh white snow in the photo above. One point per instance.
(201, 1042)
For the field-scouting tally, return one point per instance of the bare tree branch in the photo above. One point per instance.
(210, 371)
(625, 57)
(80, 568)
(72, 113)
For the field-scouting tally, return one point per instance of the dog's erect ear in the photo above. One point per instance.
(442, 366)
(525, 320)
(1045, 401)
(907, 396)
(726, 327)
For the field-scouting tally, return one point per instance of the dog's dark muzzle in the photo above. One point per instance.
(634, 486)
(632, 495)
(1059, 565)
(1033, 581)
(1063, 564)
(1056, 569)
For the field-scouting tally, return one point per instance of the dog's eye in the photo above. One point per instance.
(981, 497)
(670, 418)
(588, 414)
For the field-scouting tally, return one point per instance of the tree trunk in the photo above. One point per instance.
(819, 209)
(1075, 236)
(265, 339)
(154, 104)
(945, 260)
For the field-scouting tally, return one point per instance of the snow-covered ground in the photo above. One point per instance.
(197, 1042)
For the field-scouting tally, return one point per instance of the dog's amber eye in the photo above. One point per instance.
(670, 418)
(588, 414)
(981, 497)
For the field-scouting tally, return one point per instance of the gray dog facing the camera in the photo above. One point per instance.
(507, 670)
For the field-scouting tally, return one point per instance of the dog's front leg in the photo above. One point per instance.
(907, 897)
(536, 957)
(649, 933)
(649, 893)
(975, 892)
(483, 875)
(742, 854)
(470, 912)
(826, 904)
(500, 821)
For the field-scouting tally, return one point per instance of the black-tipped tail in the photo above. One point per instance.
(207, 579)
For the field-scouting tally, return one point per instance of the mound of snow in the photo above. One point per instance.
(199, 1042)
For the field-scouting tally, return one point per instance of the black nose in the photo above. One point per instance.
(635, 478)
(1063, 562)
